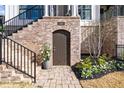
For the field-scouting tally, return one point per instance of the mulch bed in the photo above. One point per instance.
(110, 80)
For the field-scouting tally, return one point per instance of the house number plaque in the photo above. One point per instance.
(61, 23)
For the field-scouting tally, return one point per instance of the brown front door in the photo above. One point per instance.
(61, 47)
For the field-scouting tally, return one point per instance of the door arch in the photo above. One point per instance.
(61, 47)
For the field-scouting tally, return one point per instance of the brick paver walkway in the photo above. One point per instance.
(57, 77)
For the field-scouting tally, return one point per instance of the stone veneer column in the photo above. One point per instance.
(46, 10)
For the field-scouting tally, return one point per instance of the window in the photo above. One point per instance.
(33, 13)
(121, 10)
(85, 12)
(22, 8)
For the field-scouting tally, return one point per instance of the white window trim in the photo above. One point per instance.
(94, 16)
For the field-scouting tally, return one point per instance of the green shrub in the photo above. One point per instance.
(44, 54)
(86, 73)
(86, 63)
(112, 65)
(120, 65)
(87, 69)
(96, 70)
(101, 61)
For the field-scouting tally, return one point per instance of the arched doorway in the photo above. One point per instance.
(61, 47)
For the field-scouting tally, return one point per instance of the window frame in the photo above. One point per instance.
(83, 11)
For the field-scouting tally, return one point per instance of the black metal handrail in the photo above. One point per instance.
(19, 14)
(120, 52)
(19, 57)
(22, 20)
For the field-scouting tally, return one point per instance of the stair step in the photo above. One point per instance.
(18, 72)
(25, 76)
(34, 23)
(25, 29)
(6, 74)
(15, 78)
(9, 67)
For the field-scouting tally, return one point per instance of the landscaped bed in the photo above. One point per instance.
(100, 72)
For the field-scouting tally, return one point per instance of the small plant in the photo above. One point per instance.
(96, 70)
(120, 65)
(101, 61)
(44, 54)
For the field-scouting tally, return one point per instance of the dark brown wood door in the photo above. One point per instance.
(61, 48)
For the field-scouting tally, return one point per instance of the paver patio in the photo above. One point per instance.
(57, 77)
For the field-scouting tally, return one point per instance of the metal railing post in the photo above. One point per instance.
(35, 68)
(0, 48)
(116, 51)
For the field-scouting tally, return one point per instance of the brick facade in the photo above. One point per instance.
(84, 39)
(120, 30)
(109, 29)
(35, 35)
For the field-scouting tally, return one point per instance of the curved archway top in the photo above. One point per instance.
(65, 28)
(61, 30)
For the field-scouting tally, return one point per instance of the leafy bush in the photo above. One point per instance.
(87, 63)
(96, 69)
(101, 61)
(112, 65)
(120, 65)
(44, 54)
